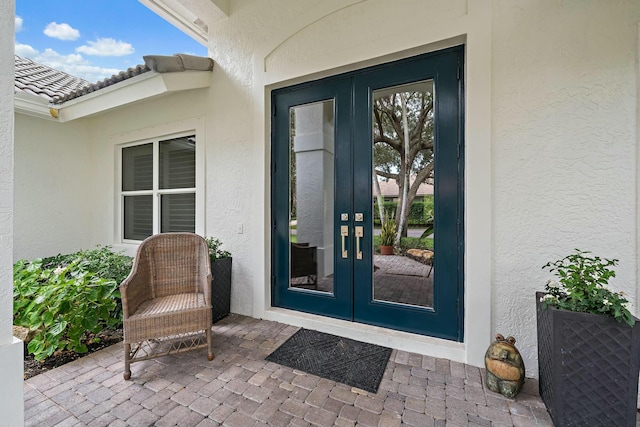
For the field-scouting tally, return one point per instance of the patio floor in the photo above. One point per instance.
(240, 389)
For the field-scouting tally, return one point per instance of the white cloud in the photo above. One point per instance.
(106, 47)
(26, 51)
(61, 31)
(50, 56)
(18, 24)
(73, 63)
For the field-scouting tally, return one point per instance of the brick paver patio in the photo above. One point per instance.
(240, 389)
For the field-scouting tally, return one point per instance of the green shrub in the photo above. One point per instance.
(215, 249)
(101, 261)
(418, 212)
(67, 298)
(415, 243)
(406, 243)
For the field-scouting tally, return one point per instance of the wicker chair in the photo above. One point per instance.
(166, 300)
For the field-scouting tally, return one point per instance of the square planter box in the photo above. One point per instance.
(588, 366)
(220, 288)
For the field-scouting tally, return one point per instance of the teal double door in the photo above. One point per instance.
(353, 157)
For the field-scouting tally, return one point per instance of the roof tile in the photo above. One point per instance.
(46, 82)
(57, 87)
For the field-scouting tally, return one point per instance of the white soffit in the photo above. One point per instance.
(193, 17)
(140, 88)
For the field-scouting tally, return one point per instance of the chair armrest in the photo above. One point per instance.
(204, 275)
(136, 288)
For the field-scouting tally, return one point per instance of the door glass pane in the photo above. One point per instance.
(403, 178)
(137, 168)
(138, 217)
(311, 178)
(178, 213)
(178, 163)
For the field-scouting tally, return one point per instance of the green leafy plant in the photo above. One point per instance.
(428, 220)
(388, 231)
(215, 249)
(582, 286)
(67, 299)
(101, 260)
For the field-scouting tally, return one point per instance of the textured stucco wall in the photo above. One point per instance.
(11, 371)
(145, 119)
(564, 147)
(6, 170)
(65, 173)
(53, 187)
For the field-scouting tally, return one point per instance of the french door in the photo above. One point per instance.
(353, 156)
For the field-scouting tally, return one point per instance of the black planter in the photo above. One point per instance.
(220, 288)
(588, 366)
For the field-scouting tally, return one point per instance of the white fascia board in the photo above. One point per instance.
(180, 17)
(32, 105)
(139, 88)
(208, 11)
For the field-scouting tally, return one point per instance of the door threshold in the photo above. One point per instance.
(404, 341)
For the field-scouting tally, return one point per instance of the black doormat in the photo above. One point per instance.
(339, 359)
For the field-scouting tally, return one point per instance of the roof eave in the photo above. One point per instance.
(193, 17)
(140, 88)
(32, 105)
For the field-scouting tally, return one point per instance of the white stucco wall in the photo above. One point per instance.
(11, 372)
(54, 187)
(148, 119)
(564, 137)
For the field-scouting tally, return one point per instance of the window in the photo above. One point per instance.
(158, 187)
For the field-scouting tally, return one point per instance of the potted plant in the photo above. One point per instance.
(220, 279)
(388, 235)
(588, 345)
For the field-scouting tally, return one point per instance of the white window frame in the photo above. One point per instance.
(193, 127)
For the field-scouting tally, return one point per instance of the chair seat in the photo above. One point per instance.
(169, 304)
(167, 316)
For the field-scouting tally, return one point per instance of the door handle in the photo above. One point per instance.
(359, 235)
(344, 233)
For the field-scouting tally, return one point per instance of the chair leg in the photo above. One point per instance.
(210, 354)
(127, 361)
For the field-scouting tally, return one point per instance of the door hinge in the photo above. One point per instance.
(273, 110)
(458, 149)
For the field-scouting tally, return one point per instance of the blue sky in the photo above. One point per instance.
(94, 39)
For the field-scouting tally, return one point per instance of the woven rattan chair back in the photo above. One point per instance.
(175, 265)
